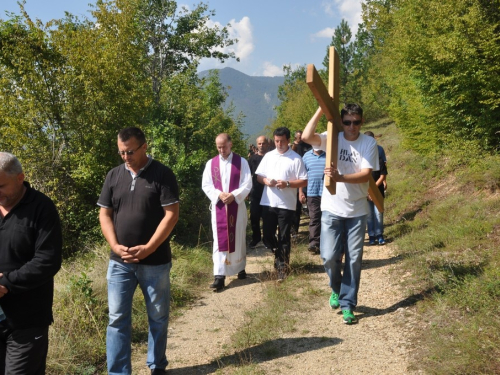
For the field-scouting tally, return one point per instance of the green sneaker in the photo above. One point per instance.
(334, 301)
(349, 317)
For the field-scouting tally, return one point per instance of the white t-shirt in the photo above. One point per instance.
(287, 167)
(350, 200)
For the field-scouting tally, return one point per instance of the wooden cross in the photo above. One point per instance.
(328, 100)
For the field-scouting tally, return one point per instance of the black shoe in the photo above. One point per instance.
(242, 275)
(157, 371)
(218, 284)
(281, 274)
(281, 270)
(253, 244)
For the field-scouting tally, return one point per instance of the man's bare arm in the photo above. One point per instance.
(309, 134)
(108, 230)
(353, 178)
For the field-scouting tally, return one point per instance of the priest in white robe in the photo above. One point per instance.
(227, 181)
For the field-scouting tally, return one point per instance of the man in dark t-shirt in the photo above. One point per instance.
(256, 192)
(139, 209)
(375, 218)
(300, 147)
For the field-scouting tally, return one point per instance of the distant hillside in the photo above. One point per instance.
(255, 97)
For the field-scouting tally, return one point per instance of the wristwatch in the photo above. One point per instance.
(288, 184)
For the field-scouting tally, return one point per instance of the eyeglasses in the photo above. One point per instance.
(129, 153)
(348, 123)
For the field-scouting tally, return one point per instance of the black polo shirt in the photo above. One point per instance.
(257, 187)
(30, 256)
(137, 204)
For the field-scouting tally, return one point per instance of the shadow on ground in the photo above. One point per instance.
(376, 263)
(366, 311)
(267, 351)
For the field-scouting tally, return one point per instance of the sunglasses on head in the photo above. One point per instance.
(347, 122)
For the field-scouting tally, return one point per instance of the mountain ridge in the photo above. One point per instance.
(254, 96)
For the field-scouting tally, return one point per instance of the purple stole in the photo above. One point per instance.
(226, 218)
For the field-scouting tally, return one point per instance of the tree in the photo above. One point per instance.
(440, 72)
(175, 39)
(185, 141)
(341, 40)
(67, 87)
(297, 104)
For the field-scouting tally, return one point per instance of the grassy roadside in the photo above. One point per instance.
(78, 335)
(443, 214)
(443, 217)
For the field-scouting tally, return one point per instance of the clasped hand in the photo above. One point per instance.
(226, 198)
(131, 254)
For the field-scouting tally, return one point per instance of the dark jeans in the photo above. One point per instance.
(314, 206)
(24, 351)
(281, 219)
(255, 215)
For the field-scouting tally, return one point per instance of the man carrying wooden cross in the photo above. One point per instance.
(343, 219)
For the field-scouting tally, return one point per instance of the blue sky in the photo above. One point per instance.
(271, 33)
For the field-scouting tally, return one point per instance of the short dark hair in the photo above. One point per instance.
(351, 109)
(125, 134)
(283, 131)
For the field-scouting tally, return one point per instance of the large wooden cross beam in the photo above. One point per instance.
(328, 100)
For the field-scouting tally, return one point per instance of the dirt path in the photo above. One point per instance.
(199, 340)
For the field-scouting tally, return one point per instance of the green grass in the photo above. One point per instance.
(443, 216)
(78, 335)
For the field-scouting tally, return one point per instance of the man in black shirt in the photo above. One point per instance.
(300, 147)
(139, 209)
(256, 192)
(30, 256)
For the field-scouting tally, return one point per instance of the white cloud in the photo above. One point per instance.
(350, 10)
(270, 70)
(325, 33)
(267, 97)
(241, 30)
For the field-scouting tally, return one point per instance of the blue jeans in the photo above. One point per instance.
(154, 282)
(375, 220)
(343, 235)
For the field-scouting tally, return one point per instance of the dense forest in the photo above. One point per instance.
(68, 86)
(431, 66)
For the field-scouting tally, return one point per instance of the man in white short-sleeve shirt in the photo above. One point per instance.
(343, 219)
(282, 172)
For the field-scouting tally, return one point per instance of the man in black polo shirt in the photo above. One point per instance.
(30, 256)
(256, 192)
(139, 208)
